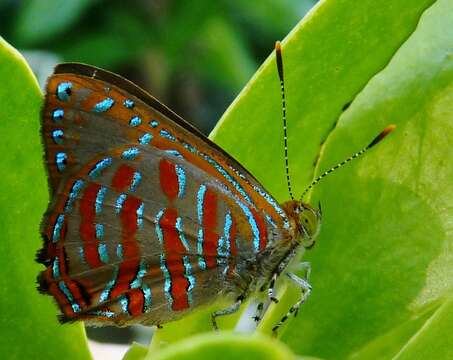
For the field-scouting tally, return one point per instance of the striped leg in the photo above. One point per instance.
(229, 310)
(305, 288)
(271, 297)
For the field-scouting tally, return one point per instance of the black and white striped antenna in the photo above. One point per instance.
(278, 53)
(375, 141)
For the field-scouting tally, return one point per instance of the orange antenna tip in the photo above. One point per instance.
(382, 135)
(278, 46)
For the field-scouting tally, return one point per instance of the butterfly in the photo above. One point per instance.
(148, 218)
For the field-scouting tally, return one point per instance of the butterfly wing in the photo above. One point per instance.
(148, 218)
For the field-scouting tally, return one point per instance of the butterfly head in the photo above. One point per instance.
(308, 223)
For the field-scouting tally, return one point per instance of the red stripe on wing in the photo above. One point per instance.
(261, 227)
(168, 179)
(131, 250)
(211, 239)
(123, 177)
(174, 251)
(87, 225)
(136, 302)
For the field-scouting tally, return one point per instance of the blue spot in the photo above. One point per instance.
(57, 136)
(128, 103)
(119, 203)
(174, 153)
(64, 91)
(130, 154)
(124, 301)
(119, 251)
(56, 268)
(99, 231)
(140, 215)
(145, 139)
(154, 123)
(190, 147)
(103, 254)
(110, 284)
(135, 121)
(57, 228)
(101, 165)
(164, 133)
(75, 190)
(75, 307)
(103, 105)
(189, 276)
(148, 298)
(180, 231)
(57, 115)
(100, 199)
(181, 181)
(140, 274)
(167, 282)
(60, 159)
(135, 181)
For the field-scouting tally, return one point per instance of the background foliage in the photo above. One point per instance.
(383, 266)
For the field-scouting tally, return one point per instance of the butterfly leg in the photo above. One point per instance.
(305, 288)
(229, 310)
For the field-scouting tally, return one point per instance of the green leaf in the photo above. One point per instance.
(136, 352)
(39, 20)
(28, 324)
(227, 346)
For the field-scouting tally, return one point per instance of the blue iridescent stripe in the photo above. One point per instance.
(100, 165)
(181, 181)
(135, 181)
(166, 134)
(175, 153)
(57, 136)
(188, 272)
(124, 301)
(274, 204)
(200, 238)
(56, 268)
(167, 282)
(160, 235)
(60, 159)
(137, 282)
(103, 313)
(110, 284)
(223, 249)
(128, 103)
(140, 215)
(103, 254)
(100, 199)
(135, 121)
(148, 298)
(103, 105)
(119, 202)
(181, 235)
(57, 115)
(75, 190)
(251, 220)
(145, 138)
(99, 231)
(75, 307)
(64, 90)
(57, 228)
(130, 154)
(119, 251)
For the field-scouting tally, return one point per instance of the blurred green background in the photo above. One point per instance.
(195, 56)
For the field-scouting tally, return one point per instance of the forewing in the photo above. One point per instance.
(148, 218)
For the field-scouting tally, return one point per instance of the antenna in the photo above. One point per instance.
(278, 54)
(375, 141)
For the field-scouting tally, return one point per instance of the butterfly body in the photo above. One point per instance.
(148, 218)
